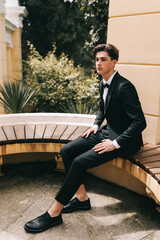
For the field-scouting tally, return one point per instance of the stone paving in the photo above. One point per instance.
(27, 190)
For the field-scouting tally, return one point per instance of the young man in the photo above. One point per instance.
(121, 136)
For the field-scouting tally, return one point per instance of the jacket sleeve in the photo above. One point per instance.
(100, 115)
(133, 110)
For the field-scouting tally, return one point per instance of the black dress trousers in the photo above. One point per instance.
(78, 156)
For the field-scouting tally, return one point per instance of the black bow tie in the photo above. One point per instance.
(105, 85)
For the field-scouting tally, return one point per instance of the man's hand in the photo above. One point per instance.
(94, 129)
(105, 146)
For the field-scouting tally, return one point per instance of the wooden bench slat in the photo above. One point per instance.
(154, 171)
(152, 158)
(148, 153)
(29, 131)
(39, 131)
(50, 128)
(59, 131)
(2, 135)
(68, 132)
(78, 132)
(9, 132)
(148, 147)
(19, 131)
(152, 165)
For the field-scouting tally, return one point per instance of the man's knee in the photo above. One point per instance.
(70, 148)
(64, 150)
(67, 151)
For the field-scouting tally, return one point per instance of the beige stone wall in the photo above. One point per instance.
(134, 29)
(9, 64)
(16, 54)
(3, 56)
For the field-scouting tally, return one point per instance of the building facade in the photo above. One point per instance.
(134, 27)
(11, 16)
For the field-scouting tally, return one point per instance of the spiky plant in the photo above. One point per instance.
(82, 107)
(14, 96)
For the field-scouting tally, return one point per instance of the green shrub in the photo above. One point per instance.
(57, 82)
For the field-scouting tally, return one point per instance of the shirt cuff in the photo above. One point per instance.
(95, 127)
(116, 144)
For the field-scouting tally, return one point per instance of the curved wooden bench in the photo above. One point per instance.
(144, 166)
(26, 133)
(48, 132)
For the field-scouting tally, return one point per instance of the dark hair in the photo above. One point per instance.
(112, 51)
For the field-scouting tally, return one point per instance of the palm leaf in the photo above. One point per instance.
(82, 107)
(15, 96)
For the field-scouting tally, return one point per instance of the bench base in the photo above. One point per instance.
(1, 163)
(120, 177)
(1, 173)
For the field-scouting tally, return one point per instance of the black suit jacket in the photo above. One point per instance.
(123, 112)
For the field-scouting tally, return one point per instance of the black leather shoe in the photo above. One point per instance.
(42, 223)
(76, 205)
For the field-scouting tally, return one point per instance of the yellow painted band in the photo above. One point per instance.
(152, 115)
(138, 64)
(134, 14)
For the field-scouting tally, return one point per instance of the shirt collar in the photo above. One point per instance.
(110, 79)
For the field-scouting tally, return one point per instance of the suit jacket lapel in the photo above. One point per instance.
(110, 91)
(101, 92)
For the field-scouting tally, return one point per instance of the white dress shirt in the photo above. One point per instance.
(105, 92)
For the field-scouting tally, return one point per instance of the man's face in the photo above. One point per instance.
(104, 64)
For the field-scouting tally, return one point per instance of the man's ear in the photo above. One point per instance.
(114, 62)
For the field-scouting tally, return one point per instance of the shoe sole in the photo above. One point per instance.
(77, 209)
(42, 229)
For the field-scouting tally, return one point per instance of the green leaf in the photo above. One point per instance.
(15, 96)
